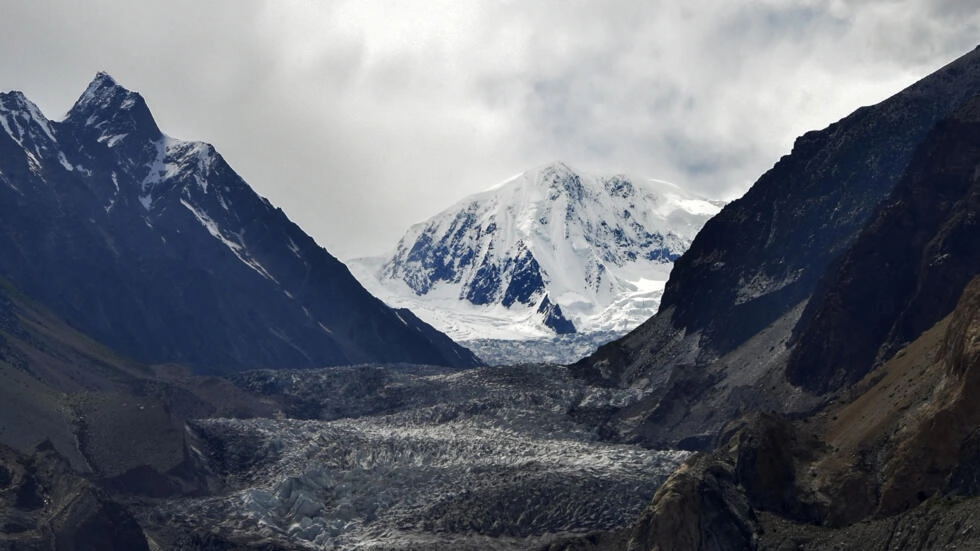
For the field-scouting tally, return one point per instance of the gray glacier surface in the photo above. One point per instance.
(408, 457)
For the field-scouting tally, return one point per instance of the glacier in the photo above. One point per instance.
(414, 457)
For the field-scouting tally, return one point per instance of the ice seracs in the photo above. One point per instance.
(550, 251)
(411, 457)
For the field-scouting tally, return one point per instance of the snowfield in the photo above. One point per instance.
(551, 251)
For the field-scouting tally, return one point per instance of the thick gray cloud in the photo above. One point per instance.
(361, 117)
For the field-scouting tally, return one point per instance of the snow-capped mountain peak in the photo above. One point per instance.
(113, 112)
(23, 121)
(157, 247)
(552, 250)
(103, 95)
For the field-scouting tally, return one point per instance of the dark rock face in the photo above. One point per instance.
(768, 449)
(908, 267)
(899, 455)
(44, 505)
(436, 253)
(554, 319)
(766, 252)
(486, 285)
(158, 249)
(794, 254)
(699, 508)
(526, 280)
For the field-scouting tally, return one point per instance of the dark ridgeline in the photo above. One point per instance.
(822, 337)
(756, 306)
(906, 270)
(158, 249)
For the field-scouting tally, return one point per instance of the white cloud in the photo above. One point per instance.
(360, 117)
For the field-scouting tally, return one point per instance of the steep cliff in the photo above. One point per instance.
(749, 307)
(893, 465)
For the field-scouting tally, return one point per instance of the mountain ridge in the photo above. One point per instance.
(841, 412)
(156, 247)
(550, 251)
(725, 329)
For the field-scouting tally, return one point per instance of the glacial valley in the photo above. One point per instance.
(382, 457)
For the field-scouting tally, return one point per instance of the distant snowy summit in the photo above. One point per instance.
(553, 251)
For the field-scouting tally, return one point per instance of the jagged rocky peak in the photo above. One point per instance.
(23, 121)
(156, 247)
(102, 94)
(15, 102)
(113, 111)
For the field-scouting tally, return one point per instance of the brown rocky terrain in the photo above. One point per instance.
(891, 465)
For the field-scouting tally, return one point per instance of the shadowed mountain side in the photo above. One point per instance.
(106, 414)
(719, 345)
(898, 455)
(158, 249)
(765, 252)
(907, 268)
(44, 505)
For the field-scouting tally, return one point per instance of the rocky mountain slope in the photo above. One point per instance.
(888, 343)
(82, 427)
(893, 465)
(156, 248)
(104, 413)
(551, 251)
(744, 317)
(906, 269)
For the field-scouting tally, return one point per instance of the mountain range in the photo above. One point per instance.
(552, 251)
(157, 248)
(818, 344)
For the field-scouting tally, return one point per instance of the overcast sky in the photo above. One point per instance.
(362, 117)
